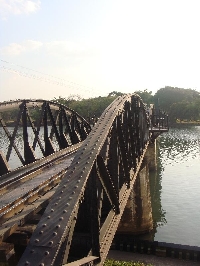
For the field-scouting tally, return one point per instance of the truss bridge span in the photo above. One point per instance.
(73, 199)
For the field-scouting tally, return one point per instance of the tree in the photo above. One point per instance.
(69, 99)
(146, 96)
(165, 97)
(115, 93)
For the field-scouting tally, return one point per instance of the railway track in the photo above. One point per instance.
(24, 195)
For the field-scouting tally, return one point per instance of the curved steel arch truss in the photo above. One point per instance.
(84, 213)
(57, 127)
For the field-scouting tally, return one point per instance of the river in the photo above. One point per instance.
(175, 187)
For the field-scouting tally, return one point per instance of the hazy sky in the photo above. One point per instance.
(52, 48)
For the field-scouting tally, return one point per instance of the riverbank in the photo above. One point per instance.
(185, 123)
(149, 259)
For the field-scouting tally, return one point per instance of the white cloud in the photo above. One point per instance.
(54, 48)
(66, 48)
(15, 49)
(18, 7)
(63, 48)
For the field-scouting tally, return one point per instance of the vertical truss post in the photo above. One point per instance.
(63, 140)
(68, 128)
(123, 150)
(54, 127)
(73, 129)
(95, 227)
(29, 156)
(83, 132)
(39, 124)
(48, 145)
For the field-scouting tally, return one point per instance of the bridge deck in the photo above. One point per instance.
(24, 192)
(19, 190)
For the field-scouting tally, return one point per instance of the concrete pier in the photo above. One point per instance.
(137, 217)
(150, 156)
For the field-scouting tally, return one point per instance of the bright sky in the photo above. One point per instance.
(90, 48)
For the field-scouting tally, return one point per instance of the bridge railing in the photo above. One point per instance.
(159, 120)
(25, 139)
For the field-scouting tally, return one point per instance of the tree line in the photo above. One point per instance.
(180, 104)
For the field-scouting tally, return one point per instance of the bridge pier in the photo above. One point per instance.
(151, 155)
(137, 217)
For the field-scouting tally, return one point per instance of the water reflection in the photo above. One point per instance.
(175, 187)
(180, 144)
(158, 212)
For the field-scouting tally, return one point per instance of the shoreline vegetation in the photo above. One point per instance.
(181, 105)
(193, 123)
(177, 123)
(111, 262)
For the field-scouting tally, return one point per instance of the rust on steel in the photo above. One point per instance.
(91, 197)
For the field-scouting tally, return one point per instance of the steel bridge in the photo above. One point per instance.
(63, 202)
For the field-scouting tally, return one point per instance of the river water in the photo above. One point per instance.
(175, 187)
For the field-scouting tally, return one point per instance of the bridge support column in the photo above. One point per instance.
(137, 217)
(150, 156)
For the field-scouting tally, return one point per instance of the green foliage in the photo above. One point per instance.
(111, 262)
(165, 97)
(115, 93)
(92, 107)
(9, 115)
(146, 96)
(182, 104)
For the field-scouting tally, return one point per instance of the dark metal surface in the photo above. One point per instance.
(56, 128)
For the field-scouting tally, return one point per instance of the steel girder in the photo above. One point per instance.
(56, 128)
(84, 213)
